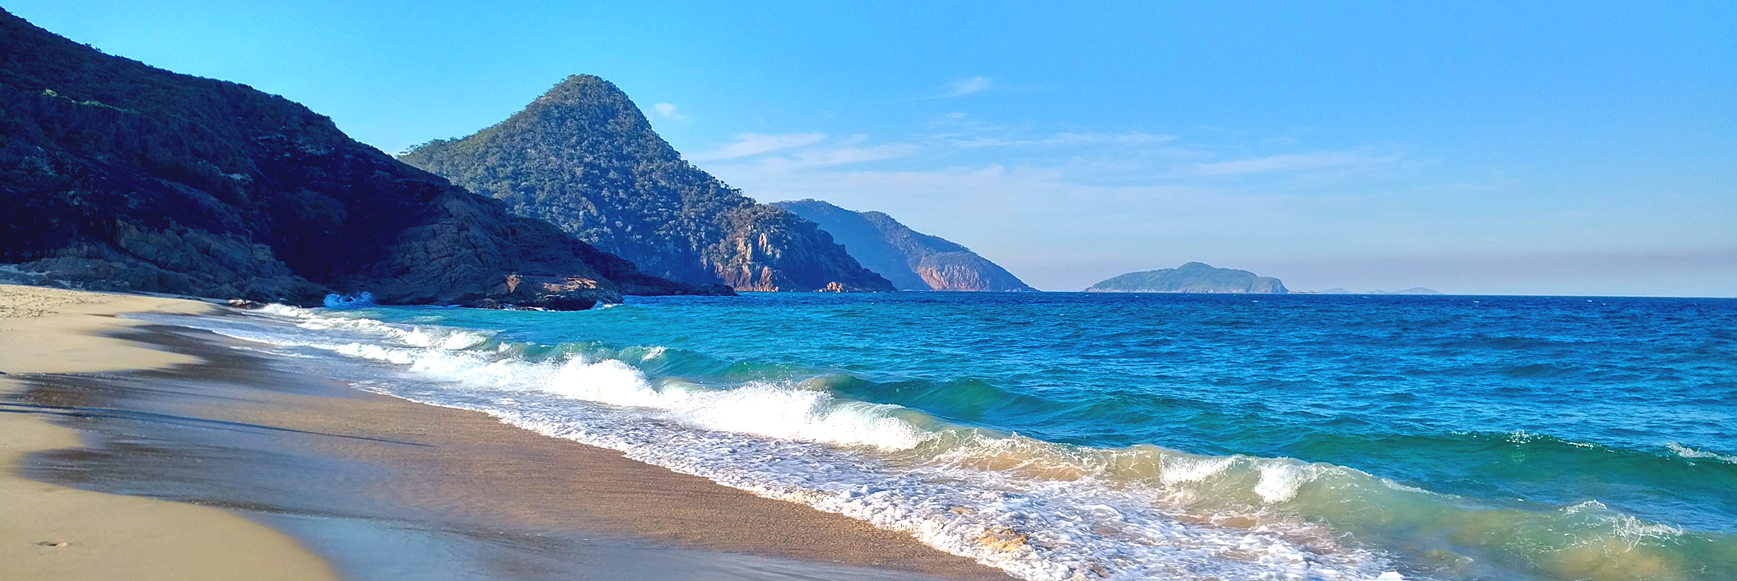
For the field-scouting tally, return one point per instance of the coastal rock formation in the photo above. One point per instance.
(119, 176)
(910, 259)
(1193, 277)
(583, 157)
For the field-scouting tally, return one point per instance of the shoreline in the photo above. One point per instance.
(61, 533)
(352, 474)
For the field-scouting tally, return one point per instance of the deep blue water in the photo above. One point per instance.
(1435, 437)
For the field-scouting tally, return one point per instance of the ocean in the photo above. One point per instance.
(1121, 436)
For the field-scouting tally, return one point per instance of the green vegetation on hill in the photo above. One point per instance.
(583, 157)
(1193, 277)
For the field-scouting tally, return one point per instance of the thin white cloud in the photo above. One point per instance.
(1288, 162)
(668, 111)
(751, 144)
(847, 155)
(961, 131)
(968, 86)
(1056, 140)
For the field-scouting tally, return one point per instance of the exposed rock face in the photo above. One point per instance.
(584, 157)
(556, 293)
(118, 176)
(910, 259)
(1193, 277)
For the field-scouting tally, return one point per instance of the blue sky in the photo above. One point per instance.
(1543, 148)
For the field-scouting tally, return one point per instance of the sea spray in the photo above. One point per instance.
(355, 301)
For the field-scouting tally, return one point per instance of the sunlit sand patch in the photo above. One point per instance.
(1002, 538)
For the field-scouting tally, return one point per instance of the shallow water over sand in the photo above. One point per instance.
(385, 489)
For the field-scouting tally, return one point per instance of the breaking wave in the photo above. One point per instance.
(1039, 510)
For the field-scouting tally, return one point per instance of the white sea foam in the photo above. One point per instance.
(1687, 452)
(1179, 469)
(776, 411)
(1594, 515)
(1279, 482)
(1064, 513)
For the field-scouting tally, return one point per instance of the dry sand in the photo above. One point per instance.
(53, 532)
(292, 444)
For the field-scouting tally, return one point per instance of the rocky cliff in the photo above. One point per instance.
(584, 157)
(1193, 277)
(910, 259)
(118, 176)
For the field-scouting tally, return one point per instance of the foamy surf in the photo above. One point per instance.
(1691, 453)
(1037, 509)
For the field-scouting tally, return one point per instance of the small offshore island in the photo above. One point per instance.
(1194, 277)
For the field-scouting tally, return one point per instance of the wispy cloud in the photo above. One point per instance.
(751, 144)
(668, 111)
(1055, 140)
(1289, 162)
(968, 86)
(825, 157)
(963, 132)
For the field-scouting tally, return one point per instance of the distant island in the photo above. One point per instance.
(910, 259)
(1194, 277)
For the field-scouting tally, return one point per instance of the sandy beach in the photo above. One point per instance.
(284, 475)
(56, 532)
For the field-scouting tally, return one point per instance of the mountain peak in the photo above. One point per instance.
(584, 157)
(577, 89)
(164, 182)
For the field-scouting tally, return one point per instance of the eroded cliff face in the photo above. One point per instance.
(119, 176)
(966, 271)
(910, 259)
(768, 249)
(583, 157)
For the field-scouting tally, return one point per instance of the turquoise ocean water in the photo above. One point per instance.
(1085, 436)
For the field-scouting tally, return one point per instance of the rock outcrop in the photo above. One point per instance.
(910, 259)
(118, 176)
(1193, 277)
(583, 157)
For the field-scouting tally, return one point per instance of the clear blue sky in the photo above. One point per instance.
(1503, 148)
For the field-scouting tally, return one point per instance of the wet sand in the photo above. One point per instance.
(61, 533)
(388, 489)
